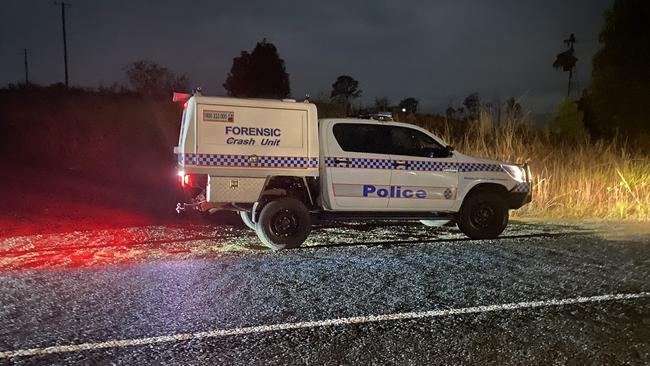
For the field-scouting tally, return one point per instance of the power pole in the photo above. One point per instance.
(26, 67)
(570, 42)
(65, 41)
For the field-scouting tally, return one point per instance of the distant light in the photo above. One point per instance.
(403, 109)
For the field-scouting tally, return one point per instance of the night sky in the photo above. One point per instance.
(436, 51)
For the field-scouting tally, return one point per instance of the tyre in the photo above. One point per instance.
(283, 223)
(247, 219)
(483, 215)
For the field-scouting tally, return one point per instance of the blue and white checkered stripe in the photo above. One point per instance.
(360, 163)
(430, 165)
(412, 165)
(244, 161)
(284, 161)
(371, 163)
(479, 167)
(227, 160)
(522, 187)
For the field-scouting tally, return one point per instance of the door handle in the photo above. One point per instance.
(450, 170)
(403, 163)
(341, 161)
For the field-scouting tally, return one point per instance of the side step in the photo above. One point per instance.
(387, 216)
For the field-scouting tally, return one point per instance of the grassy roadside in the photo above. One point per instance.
(579, 180)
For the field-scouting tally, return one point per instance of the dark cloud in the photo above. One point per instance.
(436, 51)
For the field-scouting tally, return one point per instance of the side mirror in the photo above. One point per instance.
(443, 152)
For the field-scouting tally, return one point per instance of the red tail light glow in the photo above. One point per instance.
(184, 179)
(185, 105)
(180, 97)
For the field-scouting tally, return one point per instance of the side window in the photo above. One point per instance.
(407, 141)
(361, 137)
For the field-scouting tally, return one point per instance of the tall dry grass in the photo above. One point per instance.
(571, 179)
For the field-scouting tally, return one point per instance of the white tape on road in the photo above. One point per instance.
(317, 323)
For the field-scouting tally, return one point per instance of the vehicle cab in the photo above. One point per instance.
(392, 166)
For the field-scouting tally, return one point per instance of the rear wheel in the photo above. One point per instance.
(484, 215)
(247, 219)
(283, 223)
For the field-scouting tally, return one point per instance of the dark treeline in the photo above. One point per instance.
(108, 134)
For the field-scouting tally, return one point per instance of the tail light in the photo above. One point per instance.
(185, 180)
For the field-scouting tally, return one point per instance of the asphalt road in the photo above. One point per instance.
(457, 294)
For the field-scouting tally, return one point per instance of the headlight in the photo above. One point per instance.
(514, 171)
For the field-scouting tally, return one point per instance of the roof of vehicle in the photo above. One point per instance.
(254, 102)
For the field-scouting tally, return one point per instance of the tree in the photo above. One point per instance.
(382, 104)
(585, 105)
(620, 88)
(344, 89)
(450, 113)
(473, 106)
(566, 123)
(259, 74)
(567, 60)
(513, 109)
(150, 79)
(409, 105)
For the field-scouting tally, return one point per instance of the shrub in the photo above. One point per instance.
(567, 123)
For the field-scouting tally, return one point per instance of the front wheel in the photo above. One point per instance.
(483, 215)
(283, 223)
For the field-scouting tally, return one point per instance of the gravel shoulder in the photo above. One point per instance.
(345, 270)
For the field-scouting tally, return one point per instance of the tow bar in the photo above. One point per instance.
(203, 206)
(181, 207)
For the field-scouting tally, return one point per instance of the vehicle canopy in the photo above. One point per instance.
(248, 137)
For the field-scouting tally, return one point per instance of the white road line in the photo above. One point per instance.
(317, 323)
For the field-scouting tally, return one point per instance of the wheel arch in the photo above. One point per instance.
(481, 186)
(284, 186)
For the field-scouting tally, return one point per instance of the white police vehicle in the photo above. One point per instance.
(284, 170)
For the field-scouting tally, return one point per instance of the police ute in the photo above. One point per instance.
(284, 170)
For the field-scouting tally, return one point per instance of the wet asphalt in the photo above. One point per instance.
(48, 307)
